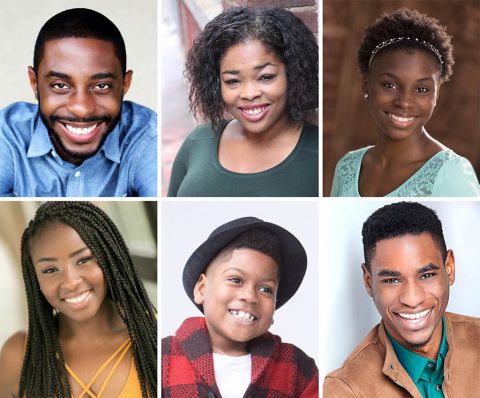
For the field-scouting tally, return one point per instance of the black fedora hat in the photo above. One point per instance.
(293, 257)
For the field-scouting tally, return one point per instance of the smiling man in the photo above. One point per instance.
(81, 139)
(418, 350)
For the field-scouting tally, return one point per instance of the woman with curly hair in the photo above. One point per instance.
(404, 58)
(92, 330)
(260, 65)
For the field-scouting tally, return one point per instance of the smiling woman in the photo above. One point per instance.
(404, 58)
(91, 326)
(259, 65)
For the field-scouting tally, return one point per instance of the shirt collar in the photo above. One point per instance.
(41, 143)
(413, 363)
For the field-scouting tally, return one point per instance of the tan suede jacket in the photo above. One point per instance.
(373, 370)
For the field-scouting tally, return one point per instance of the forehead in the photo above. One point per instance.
(79, 55)
(249, 53)
(406, 62)
(54, 238)
(248, 261)
(408, 252)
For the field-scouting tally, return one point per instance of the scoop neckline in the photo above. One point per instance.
(357, 176)
(281, 165)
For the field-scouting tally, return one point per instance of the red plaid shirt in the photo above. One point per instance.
(279, 370)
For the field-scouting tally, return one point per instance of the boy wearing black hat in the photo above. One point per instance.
(238, 277)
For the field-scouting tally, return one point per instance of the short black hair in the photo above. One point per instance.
(399, 219)
(258, 239)
(407, 23)
(80, 23)
(280, 31)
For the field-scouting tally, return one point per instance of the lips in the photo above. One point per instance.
(400, 120)
(243, 315)
(78, 300)
(81, 133)
(254, 112)
(414, 319)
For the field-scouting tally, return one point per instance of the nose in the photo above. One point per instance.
(71, 279)
(412, 295)
(82, 103)
(248, 293)
(250, 91)
(404, 99)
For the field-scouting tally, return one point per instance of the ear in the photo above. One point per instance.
(127, 80)
(199, 289)
(367, 280)
(33, 81)
(450, 267)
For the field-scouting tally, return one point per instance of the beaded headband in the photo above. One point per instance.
(396, 40)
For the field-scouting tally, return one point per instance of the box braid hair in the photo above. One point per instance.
(43, 372)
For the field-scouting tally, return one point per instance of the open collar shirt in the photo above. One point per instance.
(125, 165)
(425, 373)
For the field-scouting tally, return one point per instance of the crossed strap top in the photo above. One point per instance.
(131, 387)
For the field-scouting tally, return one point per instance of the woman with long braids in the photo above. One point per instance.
(92, 331)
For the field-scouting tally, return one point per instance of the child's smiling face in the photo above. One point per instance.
(403, 87)
(238, 294)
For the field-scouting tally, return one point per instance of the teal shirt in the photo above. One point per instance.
(425, 373)
(445, 174)
(198, 172)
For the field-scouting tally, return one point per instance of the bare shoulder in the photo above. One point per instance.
(11, 360)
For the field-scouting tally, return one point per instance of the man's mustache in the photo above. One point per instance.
(101, 118)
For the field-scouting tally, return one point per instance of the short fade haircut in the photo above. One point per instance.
(81, 23)
(258, 239)
(399, 219)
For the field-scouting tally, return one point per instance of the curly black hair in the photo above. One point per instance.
(43, 371)
(399, 219)
(407, 23)
(280, 31)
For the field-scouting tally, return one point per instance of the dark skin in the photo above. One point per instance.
(89, 331)
(79, 82)
(253, 80)
(403, 87)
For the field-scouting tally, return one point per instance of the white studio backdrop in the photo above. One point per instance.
(348, 313)
(186, 225)
(21, 20)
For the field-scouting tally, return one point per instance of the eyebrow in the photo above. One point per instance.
(242, 272)
(101, 75)
(73, 254)
(257, 67)
(396, 77)
(426, 268)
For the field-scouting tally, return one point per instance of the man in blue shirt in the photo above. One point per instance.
(81, 139)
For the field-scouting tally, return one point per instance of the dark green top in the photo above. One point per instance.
(425, 373)
(198, 172)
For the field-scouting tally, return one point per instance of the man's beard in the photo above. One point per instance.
(56, 140)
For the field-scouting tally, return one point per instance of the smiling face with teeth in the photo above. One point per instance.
(79, 86)
(68, 274)
(238, 293)
(403, 87)
(253, 84)
(409, 284)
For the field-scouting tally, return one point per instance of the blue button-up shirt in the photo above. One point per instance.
(125, 165)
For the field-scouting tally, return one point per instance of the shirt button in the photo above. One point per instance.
(54, 154)
(392, 366)
(77, 173)
(439, 387)
(430, 365)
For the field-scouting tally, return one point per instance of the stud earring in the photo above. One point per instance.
(365, 96)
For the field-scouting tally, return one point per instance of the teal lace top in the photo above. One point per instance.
(444, 174)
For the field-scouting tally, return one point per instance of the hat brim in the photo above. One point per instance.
(293, 257)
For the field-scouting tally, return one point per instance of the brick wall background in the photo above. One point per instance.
(346, 121)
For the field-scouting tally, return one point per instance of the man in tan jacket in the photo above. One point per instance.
(418, 350)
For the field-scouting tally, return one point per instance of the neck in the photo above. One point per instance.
(104, 323)
(283, 127)
(410, 149)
